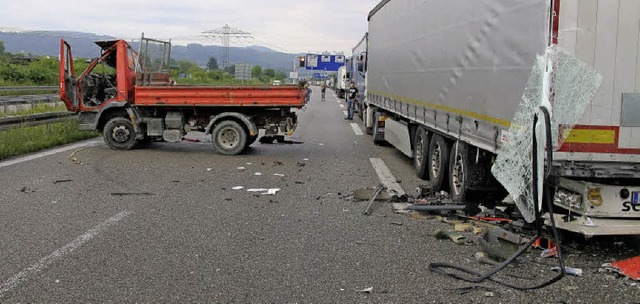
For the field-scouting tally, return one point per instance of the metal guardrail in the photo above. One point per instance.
(28, 88)
(29, 99)
(11, 122)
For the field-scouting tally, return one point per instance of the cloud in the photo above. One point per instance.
(284, 25)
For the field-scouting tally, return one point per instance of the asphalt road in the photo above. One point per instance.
(164, 224)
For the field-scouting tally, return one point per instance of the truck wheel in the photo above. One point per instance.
(251, 140)
(459, 171)
(438, 161)
(378, 138)
(421, 152)
(229, 138)
(119, 134)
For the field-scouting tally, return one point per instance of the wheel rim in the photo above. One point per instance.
(436, 160)
(121, 134)
(419, 151)
(228, 137)
(457, 175)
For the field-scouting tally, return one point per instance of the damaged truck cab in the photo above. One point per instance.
(131, 99)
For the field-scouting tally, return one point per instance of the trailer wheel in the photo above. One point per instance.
(378, 138)
(229, 138)
(118, 134)
(459, 171)
(421, 152)
(251, 140)
(438, 161)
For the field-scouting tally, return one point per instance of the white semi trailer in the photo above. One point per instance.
(445, 78)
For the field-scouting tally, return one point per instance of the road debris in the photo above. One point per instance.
(278, 163)
(238, 188)
(366, 290)
(629, 267)
(500, 243)
(241, 169)
(131, 194)
(191, 139)
(453, 235)
(485, 258)
(73, 157)
(367, 209)
(62, 181)
(278, 174)
(263, 191)
(468, 289)
(570, 270)
(301, 164)
(27, 190)
(258, 173)
(397, 223)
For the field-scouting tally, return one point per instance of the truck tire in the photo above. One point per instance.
(459, 171)
(251, 140)
(377, 140)
(229, 137)
(119, 134)
(438, 161)
(421, 152)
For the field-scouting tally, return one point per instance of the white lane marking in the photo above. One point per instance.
(387, 179)
(45, 262)
(345, 113)
(48, 152)
(356, 129)
(342, 106)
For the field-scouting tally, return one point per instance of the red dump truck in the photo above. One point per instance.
(131, 99)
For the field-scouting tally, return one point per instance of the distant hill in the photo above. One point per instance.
(47, 43)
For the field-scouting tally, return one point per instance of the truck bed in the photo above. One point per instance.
(220, 96)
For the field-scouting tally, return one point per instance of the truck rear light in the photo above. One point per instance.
(568, 199)
(594, 195)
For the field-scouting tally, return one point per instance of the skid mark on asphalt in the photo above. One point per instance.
(49, 152)
(389, 181)
(45, 262)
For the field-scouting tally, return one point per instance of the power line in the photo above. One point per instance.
(226, 33)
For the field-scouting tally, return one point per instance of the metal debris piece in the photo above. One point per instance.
(500, 243)
(367, 209)
(366, 194)
(629, 267)
(485, 258)
(454, 236)
(62, 181)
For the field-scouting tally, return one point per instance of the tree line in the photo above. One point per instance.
(24, 69)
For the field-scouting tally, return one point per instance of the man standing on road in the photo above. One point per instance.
(323, 88)
(352, 97)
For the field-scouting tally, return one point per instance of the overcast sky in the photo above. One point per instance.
(283, 25)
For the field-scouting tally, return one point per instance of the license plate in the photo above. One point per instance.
(635, 197)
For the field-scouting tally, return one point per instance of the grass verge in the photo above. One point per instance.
(37, 109)
(31, 139)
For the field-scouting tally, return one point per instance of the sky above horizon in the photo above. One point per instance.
(282, 25)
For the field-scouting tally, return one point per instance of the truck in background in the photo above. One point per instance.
(358, 67)
(341, 82)
(130, 98)
(443, 84)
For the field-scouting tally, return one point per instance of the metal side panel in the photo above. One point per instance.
(467, 57)
(397, 134)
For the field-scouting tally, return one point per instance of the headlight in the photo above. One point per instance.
(568, 199)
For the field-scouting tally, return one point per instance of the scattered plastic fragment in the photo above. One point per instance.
(278, 174)
(570, 270)
(73, 158)
(241, 168)
(238, 188)
(547, 253)
(258, 173)
(209, 169)
(629, 267)
(272, 191)
(366, 290)
(305, 159)
(263, 191)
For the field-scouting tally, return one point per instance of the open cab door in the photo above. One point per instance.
(68, 81)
